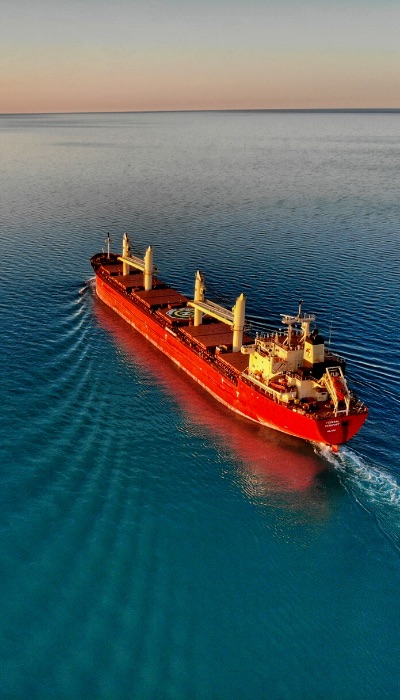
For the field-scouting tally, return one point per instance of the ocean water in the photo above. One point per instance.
(155, 546)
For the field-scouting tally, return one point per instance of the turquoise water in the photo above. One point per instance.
(153, 544)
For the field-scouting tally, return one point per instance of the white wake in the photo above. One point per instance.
(376, 489)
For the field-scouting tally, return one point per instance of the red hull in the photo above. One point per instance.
(241, 397)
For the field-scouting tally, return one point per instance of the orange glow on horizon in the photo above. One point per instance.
(278, 84)
(167, 57)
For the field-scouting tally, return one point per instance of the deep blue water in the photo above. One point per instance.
(153, 544)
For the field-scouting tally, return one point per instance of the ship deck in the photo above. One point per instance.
(158, 298)
(134, 281)
(212, 339)
(237, 360)
(213, 335)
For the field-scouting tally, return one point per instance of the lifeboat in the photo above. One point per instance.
(339, 388)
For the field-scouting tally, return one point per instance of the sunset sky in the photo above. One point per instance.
(128, 55)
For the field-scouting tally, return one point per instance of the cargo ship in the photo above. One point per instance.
(287, 380)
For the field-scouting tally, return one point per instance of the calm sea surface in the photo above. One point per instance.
(155, 546)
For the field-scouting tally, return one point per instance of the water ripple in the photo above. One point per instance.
(153, 545)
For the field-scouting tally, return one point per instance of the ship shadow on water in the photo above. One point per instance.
(271, 468)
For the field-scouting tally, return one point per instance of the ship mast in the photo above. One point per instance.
(235, 318)
(146, 265)
(126, 251)
(238, 322)
(304, 319)
(108, 241)
(198, 296)
(148, 269)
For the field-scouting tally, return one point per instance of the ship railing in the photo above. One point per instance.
(205, 355)
(277, 398)
(333, 357)
(249, 379)
(195, 347)
(111, 281)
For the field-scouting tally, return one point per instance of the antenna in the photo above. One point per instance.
(108, 241)
(300, 307)
(330, 334)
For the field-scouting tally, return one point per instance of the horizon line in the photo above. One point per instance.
(308, 110)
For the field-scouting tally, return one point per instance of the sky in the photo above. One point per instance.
(136, 55)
